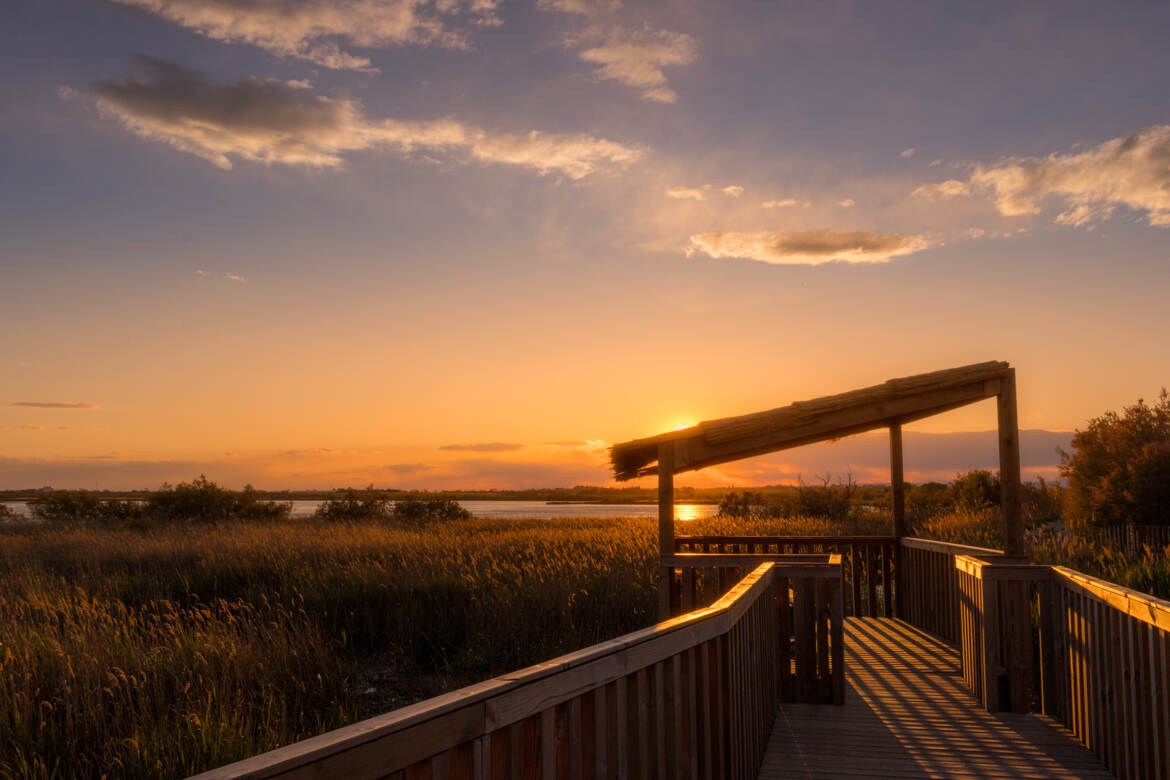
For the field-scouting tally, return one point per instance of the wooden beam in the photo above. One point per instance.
(665, 525)
(831, 426)
(897, 480)
(1009, 466)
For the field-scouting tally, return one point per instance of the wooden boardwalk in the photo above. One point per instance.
(908, 715)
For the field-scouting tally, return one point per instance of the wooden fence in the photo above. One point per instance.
(930, 586)
(1130, 539)
(694, 696)
(868, 562)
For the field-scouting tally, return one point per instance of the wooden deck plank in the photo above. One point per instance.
(908, 715)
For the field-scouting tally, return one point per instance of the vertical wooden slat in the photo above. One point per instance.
(855, 579)
(837, 640)
(871, 579)
(665, 524)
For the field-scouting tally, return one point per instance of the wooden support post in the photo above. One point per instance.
(1009, 466)
(898, 498)
(665, 524)
(897, 480)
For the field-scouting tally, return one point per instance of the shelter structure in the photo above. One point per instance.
(888, 405)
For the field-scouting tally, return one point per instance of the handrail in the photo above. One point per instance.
(950, 548)
(1141, 606)
(541, 702)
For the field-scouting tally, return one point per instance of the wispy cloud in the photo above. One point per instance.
(200, 272)
(636, 58)
(807, 247)
(310, 29)
(683, 193)
(847, 203)
(54, 405)
(1131, 171)
(906, 154)
(234, 277)
(779, 204)
(487, 446)
(268, 121)
(589, 8)
(733, 190)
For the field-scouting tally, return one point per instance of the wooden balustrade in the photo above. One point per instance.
(694, 696)
(868, 562)
(1105, 652)
(995, 617)
(929, 585)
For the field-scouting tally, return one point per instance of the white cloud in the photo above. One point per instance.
(778, 204)
(734, 190)
(847, 203)
(310, 29)
(807, 247)
(265, 120)
(683, 193)
(590, 8)
(935, 163)
(1131, 171)
(636, 58)
(234, 277)
(906, 154)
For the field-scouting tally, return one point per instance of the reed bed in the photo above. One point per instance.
(165, 653)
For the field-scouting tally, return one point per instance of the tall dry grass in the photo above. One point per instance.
(169, 652)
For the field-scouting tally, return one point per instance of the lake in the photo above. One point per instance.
(520, 509)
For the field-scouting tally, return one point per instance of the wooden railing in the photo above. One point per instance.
(868, 562)
(694, 696)
(930, 587)
(1107, 671)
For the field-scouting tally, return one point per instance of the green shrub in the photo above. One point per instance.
(1119, 469)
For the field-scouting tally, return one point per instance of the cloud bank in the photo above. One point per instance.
(807, 247)
(310, 29)
(270, 121)
(1132, 171)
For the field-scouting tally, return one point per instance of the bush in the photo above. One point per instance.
(203, 501)
(419, 511)
(1119, 470)
(65, 506)
(351, 504)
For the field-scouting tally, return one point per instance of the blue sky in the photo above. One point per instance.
(374, 230)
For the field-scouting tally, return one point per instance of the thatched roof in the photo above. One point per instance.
(804, 422)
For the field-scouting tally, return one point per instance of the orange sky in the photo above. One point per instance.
(359, 249)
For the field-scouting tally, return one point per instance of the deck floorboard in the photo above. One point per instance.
(908, 715)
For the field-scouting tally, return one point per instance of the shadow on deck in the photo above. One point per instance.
(908, 714)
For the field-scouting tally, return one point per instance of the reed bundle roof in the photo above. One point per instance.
(731, 438)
